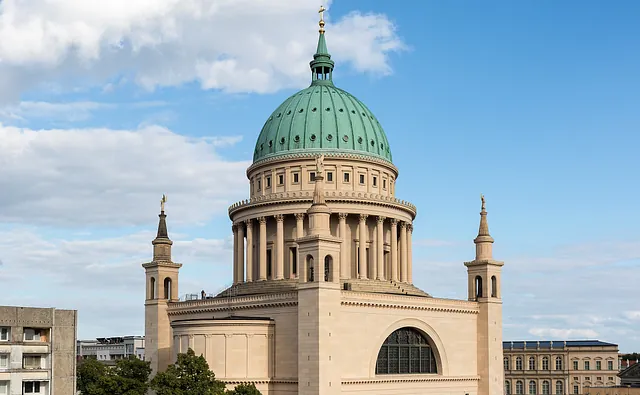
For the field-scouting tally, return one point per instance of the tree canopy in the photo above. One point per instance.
(190, 375)
(244, 389)
(128, 377)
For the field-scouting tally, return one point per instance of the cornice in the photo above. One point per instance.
(233, 303)
(408, 302)
(260, 381)
(408, 379)
(330, 196)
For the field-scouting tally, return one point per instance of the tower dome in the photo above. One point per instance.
(322, 119)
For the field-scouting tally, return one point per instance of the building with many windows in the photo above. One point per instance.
(559, 367)
(37, 351)
(110, 349)
(323, 299)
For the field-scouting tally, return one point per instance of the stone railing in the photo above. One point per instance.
(284, 197)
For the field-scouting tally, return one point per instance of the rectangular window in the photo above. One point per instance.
(296, 178)
(312, 176)
(4, 334)
(362, 179)
(31, 387)
(575, 365)
(268, 182)
(384, 184)
(576, 389)
(31, 334)
(345, 177)
(32, 362)
(294, 260)
(375, 181)
(329, 176)
(586, 365)
(4, 361)
(280, 179)
(259, 185)
(610, 365)
(4, 388)
(598, 365)
(610, 378)
(587, 378)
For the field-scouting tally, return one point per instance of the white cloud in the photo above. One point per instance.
(232, 45)
(564, 333)
(632, 315)
(83, 177)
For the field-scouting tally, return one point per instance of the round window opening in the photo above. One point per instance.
(345, 138)
(282, 140)
(296, 139)
(270, 143)
(359, 140)
(329, 137)
(312, 137)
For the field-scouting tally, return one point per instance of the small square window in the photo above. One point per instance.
(329, 176)
(268, 182)
(296, 178)
(4, 334)
(361, 178)
(610, 378)
(312, 176)
(375, 181)
(280, 179)
(346, 177)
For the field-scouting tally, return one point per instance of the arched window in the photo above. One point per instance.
(519, 387)
(519, 363)
(328, 263)
(546, 388)
(152, 288)
(545, 363)
(532, 388)
(309, 268)
(167, 288)
(558, 363)
(559, 388)
(507, 387)
(406, 351)
(494, 287)
(478, 287)
(532, 363)
(506, 363)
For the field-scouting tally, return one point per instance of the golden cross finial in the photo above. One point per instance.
(162, 202)
(321, 23)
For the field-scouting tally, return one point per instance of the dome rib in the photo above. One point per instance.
(351, 139)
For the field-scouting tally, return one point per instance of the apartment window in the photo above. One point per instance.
(268, 182)
(32, 362)
(610, 365)
(31, 387)
(576, 389)
(545, 363)
(575, 365)
(31, 334)
(586, 365)
(329, 176)
(362, 179)
(280, 179)
(519, 387)
(559, 388)
(312, 176)
(296, 178)
(384, 184)
(519, 363)
(4, 334)
(506, 363)
(532, 363)
(4, 388)
(375, 181)
(558, 363)
(598, 365)
(4, 361)
(532, 388)
(346, 177)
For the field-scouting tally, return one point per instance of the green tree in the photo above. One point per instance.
(244, 389)
(190, 375)
(128, 377)
(91, 376)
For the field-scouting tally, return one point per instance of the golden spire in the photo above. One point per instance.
(321, 23)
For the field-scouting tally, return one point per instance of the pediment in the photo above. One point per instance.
(632, 371)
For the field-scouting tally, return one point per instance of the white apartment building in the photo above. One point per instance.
(36, 351)
(110, 349)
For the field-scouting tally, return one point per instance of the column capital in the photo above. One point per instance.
(248, 222)
(394, 221)
(363, 217)
(403, 224)
(342, 215)
(299, 216)
(380, 219)
(279, 217)
(234, 226)
(410, 227)
(262, 220)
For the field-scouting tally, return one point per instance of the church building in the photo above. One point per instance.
(323, 299)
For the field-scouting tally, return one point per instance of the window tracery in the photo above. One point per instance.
(406, 351)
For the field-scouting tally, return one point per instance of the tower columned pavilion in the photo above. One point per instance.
(323, 299)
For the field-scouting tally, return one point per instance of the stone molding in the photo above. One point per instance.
(279, 217)
(407, 379)
(336, 196)
(408, 302)
(233, 303)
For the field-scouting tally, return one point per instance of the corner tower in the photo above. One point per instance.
(161, 289)
(484, 288)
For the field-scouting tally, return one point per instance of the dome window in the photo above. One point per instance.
(364, 115)
(341, 110)
(282, 140)
(289, 112)
(300, 110)
(270, 143)
(278, 116)
(312, 137)
(330, 137)
(359, 140)
(328, 108)
(373, 143)
(314, 109)
(261, 147)
(345, 138)
(353, 111)
(382, 146)
(296, 139)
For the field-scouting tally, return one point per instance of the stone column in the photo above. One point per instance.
(380, 248)
(403, 252)
(262, 262)
(373, 256)
(279, 246)
(240, 249)
(234, 229)
(344, 265)
(299, 233)
(409, 254)
(249, 262)
(394, 249)
(362, 242)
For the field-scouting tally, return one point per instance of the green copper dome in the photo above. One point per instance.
(322, 119)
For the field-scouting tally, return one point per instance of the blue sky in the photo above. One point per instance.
(534, 104)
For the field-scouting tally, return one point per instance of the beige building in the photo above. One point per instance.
(323, 300)
(37, 351)
(559, 367)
